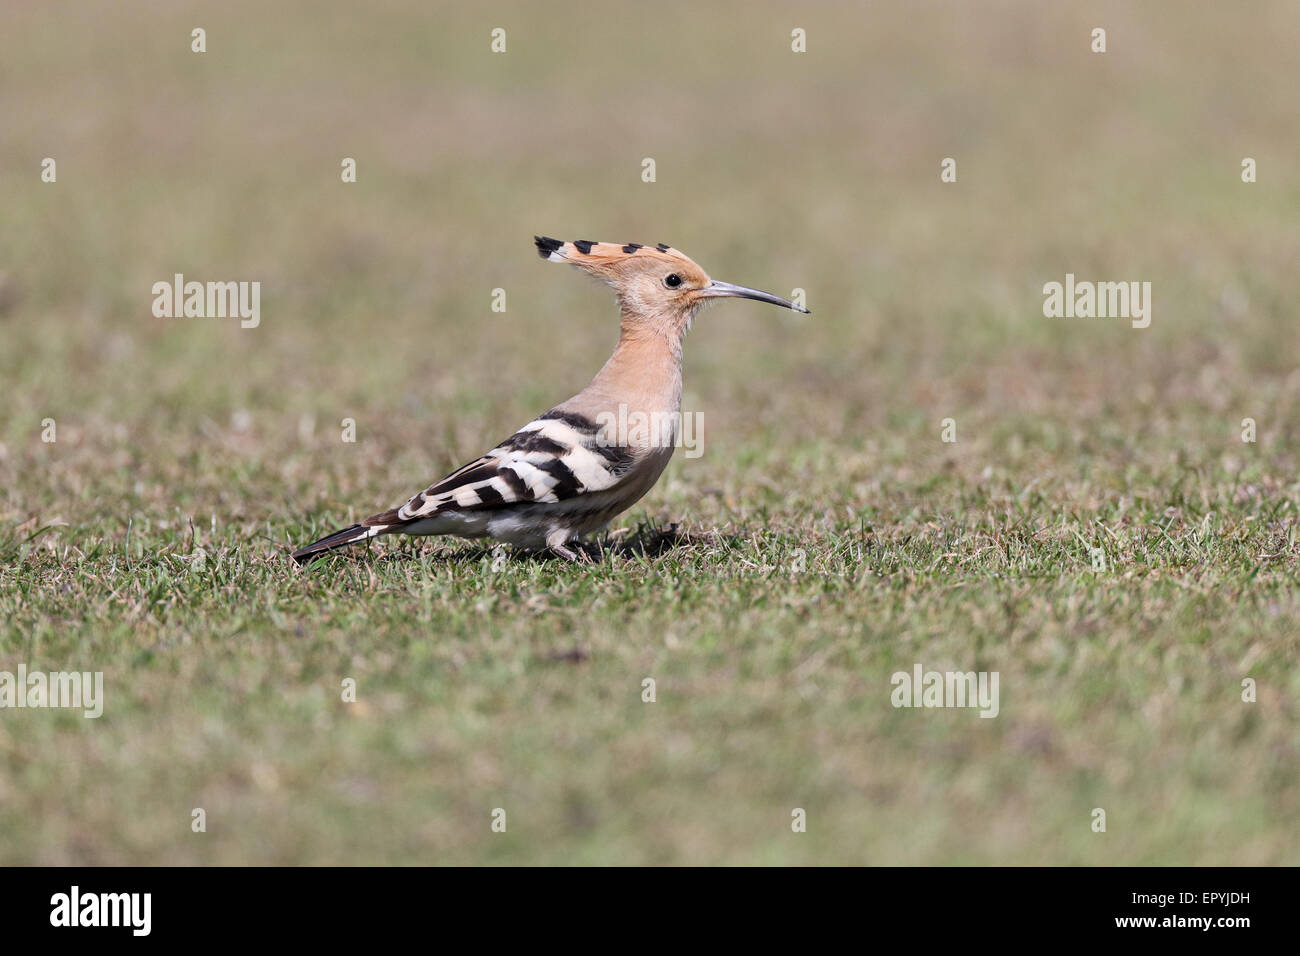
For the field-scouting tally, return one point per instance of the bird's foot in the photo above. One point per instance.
(577, 557)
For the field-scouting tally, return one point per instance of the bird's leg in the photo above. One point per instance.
(565, 553)
(558, 541)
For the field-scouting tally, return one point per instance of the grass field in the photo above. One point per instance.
(826, 538)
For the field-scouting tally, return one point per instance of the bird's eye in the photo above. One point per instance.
(672, 280)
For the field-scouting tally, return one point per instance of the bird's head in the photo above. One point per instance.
(655, 284)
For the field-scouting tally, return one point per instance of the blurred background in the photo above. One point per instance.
(775, 169)
(782, 170)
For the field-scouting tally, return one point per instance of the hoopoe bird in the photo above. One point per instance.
(570, 472)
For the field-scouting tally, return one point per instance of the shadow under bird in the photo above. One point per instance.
(572, 470)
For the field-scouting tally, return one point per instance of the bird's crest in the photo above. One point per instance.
(607, 257)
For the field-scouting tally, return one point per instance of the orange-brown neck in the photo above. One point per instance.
(644, 373)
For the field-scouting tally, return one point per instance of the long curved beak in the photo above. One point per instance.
(722, 290)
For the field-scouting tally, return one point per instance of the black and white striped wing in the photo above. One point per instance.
(551, 459)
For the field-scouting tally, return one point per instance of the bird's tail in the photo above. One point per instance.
(339, 539)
